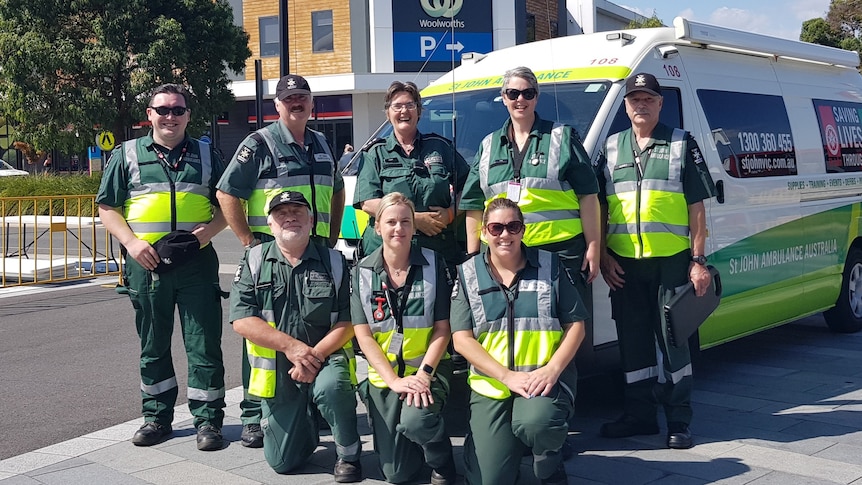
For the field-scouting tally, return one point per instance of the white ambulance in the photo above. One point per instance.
(779, 123)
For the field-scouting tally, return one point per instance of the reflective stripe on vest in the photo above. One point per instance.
(262, 359)
(537, 328)
(265, 189)
(650, 220)
(418, 319)
(550, 205)
(148, 208)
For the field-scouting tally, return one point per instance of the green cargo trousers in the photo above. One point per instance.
(405, 437)
(638, 312)
(194, 291)
(290, 432)
(501, 430)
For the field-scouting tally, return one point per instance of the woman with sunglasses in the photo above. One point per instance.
(543, 167)
(518, 320)
(423, 167)
(400, 309)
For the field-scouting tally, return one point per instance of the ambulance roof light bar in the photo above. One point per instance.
(707, 34)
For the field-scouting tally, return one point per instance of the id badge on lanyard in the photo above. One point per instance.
(513, 192)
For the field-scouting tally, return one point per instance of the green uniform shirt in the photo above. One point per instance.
(575, 168)
(697, 184)
(303, 296)
(569, 306)
(115, 185)
(425, 177)
(254, 161)
(375, 262)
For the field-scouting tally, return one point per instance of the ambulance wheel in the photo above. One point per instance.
(846, 315)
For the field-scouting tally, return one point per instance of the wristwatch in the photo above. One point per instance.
(428, 369)
(701, 260)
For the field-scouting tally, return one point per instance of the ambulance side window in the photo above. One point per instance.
(751, 133)
(671, 112)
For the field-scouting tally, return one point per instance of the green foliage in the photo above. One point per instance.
(71, 68)
(651, 22)
(33, 188)
(818, 31)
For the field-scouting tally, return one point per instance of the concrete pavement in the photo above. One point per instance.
(780, 407)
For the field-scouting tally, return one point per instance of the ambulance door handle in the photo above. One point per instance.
(719, 191)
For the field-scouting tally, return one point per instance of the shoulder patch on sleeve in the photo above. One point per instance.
(697, 156)
(455, 287)
(238, 274)
(244, 154)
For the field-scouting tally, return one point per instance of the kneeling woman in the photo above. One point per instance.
(518, 320)
(400, 309)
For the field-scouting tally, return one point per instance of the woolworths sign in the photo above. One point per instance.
(429, 34)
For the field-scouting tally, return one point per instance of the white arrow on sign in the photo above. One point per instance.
(458, 46)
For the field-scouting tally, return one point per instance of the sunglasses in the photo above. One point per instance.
(164, 110)
(496, 228)
(513, 94)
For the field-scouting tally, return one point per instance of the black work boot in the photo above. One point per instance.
(151, 433)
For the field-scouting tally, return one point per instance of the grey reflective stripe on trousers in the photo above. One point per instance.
(205, 395)
(159, 387)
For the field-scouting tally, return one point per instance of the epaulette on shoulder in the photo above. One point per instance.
(257, 137)
(370, 143)
(435, 136)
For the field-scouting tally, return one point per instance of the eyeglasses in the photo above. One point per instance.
(513, 94)
(496, 228)
(399, 106)
(164, 110)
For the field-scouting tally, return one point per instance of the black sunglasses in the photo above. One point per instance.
(164, 110)
(496, 228)
(513, 94)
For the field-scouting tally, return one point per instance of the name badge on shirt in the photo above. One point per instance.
(396, 343)
(322, 157)
(514, 192)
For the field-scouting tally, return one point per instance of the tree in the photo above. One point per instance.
(818, 31)
(71, 68)
(646, 23)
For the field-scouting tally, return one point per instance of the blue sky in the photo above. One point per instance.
(780, 18)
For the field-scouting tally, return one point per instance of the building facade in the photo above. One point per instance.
(351, 50)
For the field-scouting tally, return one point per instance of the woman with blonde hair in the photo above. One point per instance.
(400, 310)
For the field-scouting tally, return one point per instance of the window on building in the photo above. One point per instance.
(269, 46)
(531, 27)
(321, 31)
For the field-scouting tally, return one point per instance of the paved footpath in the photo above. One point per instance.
(780, 407)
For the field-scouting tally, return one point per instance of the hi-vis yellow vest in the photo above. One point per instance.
(417, 321)
(262, 360)
(549, 204)
(314, 182)
(148, 208)
(520, 334)
(646, 217)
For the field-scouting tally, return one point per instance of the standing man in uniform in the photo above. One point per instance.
(291, 300)
(284, 155)
(654, 182)
(156, 189)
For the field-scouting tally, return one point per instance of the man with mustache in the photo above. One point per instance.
(653, 184)
(290, 299)
(284, 155)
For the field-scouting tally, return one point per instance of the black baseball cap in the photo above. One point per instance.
(288, 197)
(643, 81)
(290, 85)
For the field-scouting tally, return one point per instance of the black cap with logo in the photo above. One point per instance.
(290, 85)
(288, 197)
(645, 82)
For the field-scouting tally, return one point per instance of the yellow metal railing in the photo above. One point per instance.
(50, 239)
